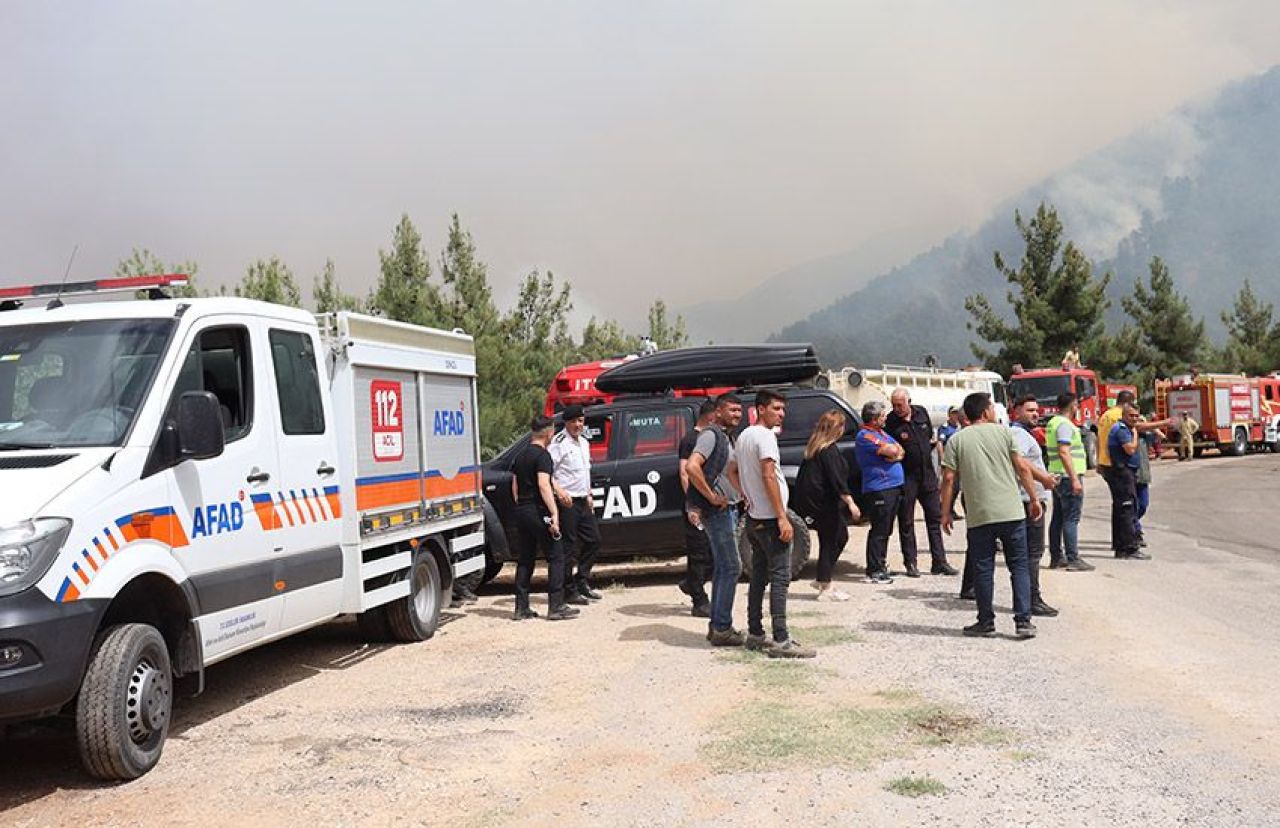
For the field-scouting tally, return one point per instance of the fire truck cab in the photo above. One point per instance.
(1094, 398)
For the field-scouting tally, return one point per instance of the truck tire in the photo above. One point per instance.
(416, 616)
(125, 702)
(496, 549)
(1239, 443)
(801, 546)
(1090, 439)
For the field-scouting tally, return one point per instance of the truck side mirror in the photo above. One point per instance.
(199, 423)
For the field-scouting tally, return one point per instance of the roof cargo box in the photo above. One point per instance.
(713, 365)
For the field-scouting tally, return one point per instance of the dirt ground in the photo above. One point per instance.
(1150, 701)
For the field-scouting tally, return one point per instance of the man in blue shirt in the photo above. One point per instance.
(1122, 444)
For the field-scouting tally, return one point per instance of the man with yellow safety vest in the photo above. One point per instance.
(1066, 459)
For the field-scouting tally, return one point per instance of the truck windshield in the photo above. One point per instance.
(79, 384)
(1045, 389)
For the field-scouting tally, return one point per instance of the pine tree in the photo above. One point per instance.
(1253, 343)
(467, 300)
(327, 294)
(270, 280)
(1057, 302)
(1169, 338)
(601, 340)
(404, 291)
(663, 333)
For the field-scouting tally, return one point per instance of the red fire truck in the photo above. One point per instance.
(1235, 412)
(1094, 396)
(576, 385)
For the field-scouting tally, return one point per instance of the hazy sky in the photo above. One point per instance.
(638, 149)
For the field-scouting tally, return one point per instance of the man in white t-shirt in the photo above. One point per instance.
(768, 529)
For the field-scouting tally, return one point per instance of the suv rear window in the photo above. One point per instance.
(803, 412)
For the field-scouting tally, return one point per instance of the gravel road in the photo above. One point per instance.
(1150, 701)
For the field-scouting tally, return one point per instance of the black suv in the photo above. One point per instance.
(635, 473)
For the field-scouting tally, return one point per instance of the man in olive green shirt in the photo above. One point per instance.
(985, 458)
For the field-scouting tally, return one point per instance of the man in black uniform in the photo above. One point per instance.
(697, 549)
(910, 426)
(537, 525)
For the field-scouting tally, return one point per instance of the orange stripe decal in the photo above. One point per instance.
(465, 483)
(390, 493)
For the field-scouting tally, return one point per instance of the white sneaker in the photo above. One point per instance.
(833, 595)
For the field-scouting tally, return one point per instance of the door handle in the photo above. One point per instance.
(256, 476)
(324, 470)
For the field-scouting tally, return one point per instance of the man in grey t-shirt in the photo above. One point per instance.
(711, 469)
(1026, 413)
(768, 529)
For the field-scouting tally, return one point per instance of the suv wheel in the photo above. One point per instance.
(801, 546)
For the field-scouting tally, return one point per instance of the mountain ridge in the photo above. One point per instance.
(1193, 187)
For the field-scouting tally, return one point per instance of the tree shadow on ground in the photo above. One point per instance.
(667, 634)
(652, 610)
(927, 630)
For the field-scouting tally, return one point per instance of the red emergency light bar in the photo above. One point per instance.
(96, 286)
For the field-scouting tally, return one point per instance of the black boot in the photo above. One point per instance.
(585, 590)
(522, 610)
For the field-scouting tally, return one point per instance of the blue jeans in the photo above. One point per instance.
(1143, 491)
(720, 526)
(1064, 526)
(1012, 535)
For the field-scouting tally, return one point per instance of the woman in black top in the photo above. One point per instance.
(822, 495)
(537, 525)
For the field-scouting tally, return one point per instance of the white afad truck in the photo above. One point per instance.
(187, 479)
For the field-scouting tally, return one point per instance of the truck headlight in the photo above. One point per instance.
(27, 550)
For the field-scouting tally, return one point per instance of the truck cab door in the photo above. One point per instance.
(644, 502)
(227, 554)
(303, 505)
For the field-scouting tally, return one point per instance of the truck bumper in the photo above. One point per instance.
(44, 647)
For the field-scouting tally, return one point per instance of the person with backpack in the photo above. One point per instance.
(713, 498)
(823, 498)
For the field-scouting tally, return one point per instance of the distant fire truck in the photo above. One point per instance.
(1235, 412)
(1093, 395)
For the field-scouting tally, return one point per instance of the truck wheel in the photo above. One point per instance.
(123, 711)
(1090, 450)
(496, 549)
(415, 618)
(800, 546)
(1240, 443)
